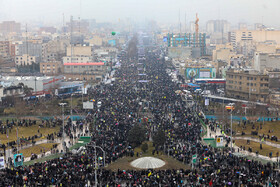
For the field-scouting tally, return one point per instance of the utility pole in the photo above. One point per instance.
(231, 130)
(71, 105)
(95, 165)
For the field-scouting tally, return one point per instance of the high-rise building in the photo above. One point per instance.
(9, 26)
(217, 26)
(197, 43)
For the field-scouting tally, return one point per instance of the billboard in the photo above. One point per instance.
(87, 105)
(112, 42)
(18, 160)
(200, 73)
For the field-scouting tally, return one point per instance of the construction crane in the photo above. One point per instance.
(196, 29)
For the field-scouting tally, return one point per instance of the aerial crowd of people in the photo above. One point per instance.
(143, 85)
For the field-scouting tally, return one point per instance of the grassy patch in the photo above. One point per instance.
(26, 132)
(272, 126)
(266, 149)
(37, 149)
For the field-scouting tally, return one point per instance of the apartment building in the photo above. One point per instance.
(51, 68)
(9, 27)
(266, 61)
(25, 60)
(247, 84)
(79, 50)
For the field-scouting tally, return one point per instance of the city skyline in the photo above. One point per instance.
(51, 12)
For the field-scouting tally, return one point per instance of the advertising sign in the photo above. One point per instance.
(206, 102)
(18, 160)
(200, 73)
(220, 141)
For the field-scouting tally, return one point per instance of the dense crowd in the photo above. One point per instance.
(143, 85)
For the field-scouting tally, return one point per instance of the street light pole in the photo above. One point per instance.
(63, 136)
(95, 165)
(95, 161)
(71, 105)
(231, 130)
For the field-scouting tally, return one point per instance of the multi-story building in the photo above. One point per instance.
(93, 71)
(54, 50)
(25, 60)
(78, 26)
(79, 50)
(16, 91)
(254, 35)
(188, 40)
(221, 26)
(4, 50)
(76, 59)
(266, 61)
(32, 49)
(247, 85)
(51, 68)
(9, 27)
(51, 30)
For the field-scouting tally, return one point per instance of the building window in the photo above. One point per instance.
(75, 66)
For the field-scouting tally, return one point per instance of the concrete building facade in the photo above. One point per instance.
(247, 85)
(266, 61)
(9, 27)
(51, 68)
(79, 51)
(25, 60)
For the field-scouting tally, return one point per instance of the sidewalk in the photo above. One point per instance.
(56, 140)
(243, 152)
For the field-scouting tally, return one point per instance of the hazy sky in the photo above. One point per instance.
(50, 11)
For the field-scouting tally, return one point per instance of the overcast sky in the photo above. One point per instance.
(51, 11)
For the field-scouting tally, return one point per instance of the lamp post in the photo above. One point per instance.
(231, 129)
(71, 105)
(95, 161)
(63, 137)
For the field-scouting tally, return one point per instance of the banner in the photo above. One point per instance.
(206, 102)
(18, 160)
(87, 105)
(220, 141)
(2, 162)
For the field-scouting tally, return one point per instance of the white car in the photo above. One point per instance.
(99, 104)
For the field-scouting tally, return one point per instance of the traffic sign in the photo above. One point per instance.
(194, 159)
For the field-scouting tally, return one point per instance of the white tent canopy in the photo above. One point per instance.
(147, 163)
